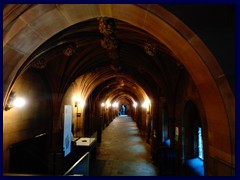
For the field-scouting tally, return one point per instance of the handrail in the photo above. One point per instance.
(75, 164)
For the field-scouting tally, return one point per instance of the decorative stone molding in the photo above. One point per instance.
(40, 64)
(106, 26)
(150, 49)
(69, 51)
(109, 42)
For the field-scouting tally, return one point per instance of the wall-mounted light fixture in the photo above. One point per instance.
(14, 101)
(76, 104)
(108, 104)
(135, 104)
(146, 104)
(19, 102)
(10, 100)
(115, 104)
(79, 104)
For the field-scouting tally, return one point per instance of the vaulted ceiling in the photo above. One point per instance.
(127, 58)
(124, 68)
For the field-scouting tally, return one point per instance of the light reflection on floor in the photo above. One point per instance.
(123, 152)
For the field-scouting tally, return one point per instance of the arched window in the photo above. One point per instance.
(192, 142)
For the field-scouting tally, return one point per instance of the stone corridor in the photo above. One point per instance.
(123, 152)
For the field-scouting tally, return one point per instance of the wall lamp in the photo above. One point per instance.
(135, 104)
(14, 101)
(146, 104)
(76, 104)
(10, 100)
(115, 105)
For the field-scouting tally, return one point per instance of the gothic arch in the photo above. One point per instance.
(31, 28)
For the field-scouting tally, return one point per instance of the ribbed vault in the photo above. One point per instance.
(63, 42)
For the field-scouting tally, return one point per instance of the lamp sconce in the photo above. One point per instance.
(10, 100)
(76, 104)
(79, 104)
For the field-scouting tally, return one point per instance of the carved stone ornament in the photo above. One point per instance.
(40, 64)
(109, 42)
(106, 26)
(150, 49)
(68, 51)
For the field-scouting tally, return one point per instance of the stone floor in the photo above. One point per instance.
(123, 152)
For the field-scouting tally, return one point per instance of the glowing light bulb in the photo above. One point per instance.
(135, 104)
(19, 102)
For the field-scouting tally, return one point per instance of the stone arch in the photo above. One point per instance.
(32, 28)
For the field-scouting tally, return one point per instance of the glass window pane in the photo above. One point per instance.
(200, 143)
